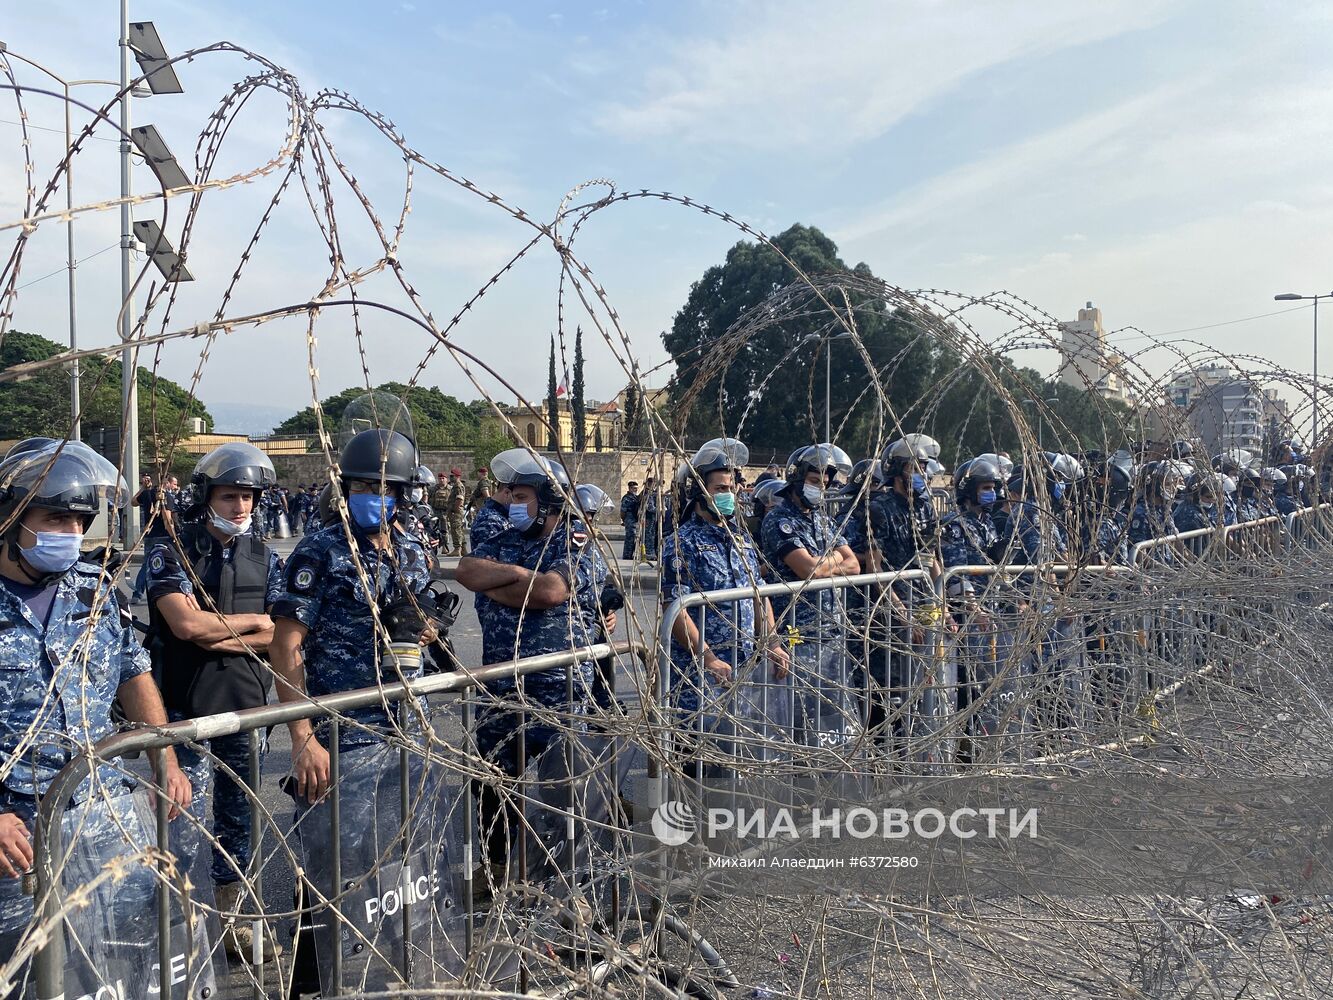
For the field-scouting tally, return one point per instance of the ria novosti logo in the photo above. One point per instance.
(674, 823)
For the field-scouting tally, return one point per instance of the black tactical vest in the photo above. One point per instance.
(195, 681)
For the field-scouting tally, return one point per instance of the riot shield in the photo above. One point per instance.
(381, 885)
(112, 940)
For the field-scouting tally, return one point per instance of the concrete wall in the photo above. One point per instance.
(610, 470)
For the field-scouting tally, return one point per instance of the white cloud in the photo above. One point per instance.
(801, 72)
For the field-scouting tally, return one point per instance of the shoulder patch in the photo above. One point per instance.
(301, 574)
(157, 562)
(578, 539)
(786, 527)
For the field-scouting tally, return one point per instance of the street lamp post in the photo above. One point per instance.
(811, 338)
(139, 40)
(1314, 368)
(71, 262)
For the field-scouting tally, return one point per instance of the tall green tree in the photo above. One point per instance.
(438, 420)
(41, 405)
(576, 401)
(633, 433)
(552, 405)
(768, 387)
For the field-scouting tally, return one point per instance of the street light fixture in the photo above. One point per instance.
(1314, 368)
(71, 263)
(163, 254)
(152, 58)
(155, 152)
(141, 40)
(811, 338)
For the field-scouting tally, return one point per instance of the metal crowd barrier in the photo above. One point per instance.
(1040, 652)
(50, 847)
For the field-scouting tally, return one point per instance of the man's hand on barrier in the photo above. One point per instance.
(310, 767)
(778, 657)
(15, 846)
(718, 667)
(178, 789)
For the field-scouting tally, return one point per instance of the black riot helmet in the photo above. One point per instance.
(908, 450)
(520, 467)
(236, 463)
(374, 455)
(718, 455)
(1249, 482)
(828, 460)
(1205, 486)
(971, 475)
(62, 476)
(30, 444)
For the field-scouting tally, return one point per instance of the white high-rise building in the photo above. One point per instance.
(1087, 364)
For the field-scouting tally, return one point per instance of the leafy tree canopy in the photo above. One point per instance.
(775, 405)
(438, 419)
(40, 405)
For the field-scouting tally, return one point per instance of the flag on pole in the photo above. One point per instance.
(563, 388)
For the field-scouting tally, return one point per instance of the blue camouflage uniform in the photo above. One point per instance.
(322, 590)
(826, 709)
(701, 556)
(231, 810)
(1105, 533)
(906, 532)
(1035, 537)
(1149, 522)
(968, 538)
(786, 528)
(991, 676)
(1248, 509)
(58, 678)
(1286, 504)
(490, 519)
(1190, 515)
(509, 633)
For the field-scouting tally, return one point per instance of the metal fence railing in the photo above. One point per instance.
(383, 926)
(890, 675)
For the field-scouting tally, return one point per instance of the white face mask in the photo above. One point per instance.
(229, 528)
(814, 496)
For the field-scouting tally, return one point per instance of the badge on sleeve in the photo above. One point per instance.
(786, 527)
(578, 539)
(301, 577)
(157, 562)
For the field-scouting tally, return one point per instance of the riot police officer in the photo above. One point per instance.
(1159, 483)
(325, 638)
(711, 551)
(68, 651)
(209, 593)
(801, 542)
(535, 582)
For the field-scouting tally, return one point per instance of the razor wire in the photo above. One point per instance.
(1211, 663)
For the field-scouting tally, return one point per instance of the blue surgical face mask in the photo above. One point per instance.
(918, 483)
(725, 503)
(54, 551)
(519, 516)
(370, 510)
(986, 498)
(814, 496)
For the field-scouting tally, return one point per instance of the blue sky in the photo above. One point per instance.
(1164, 159)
